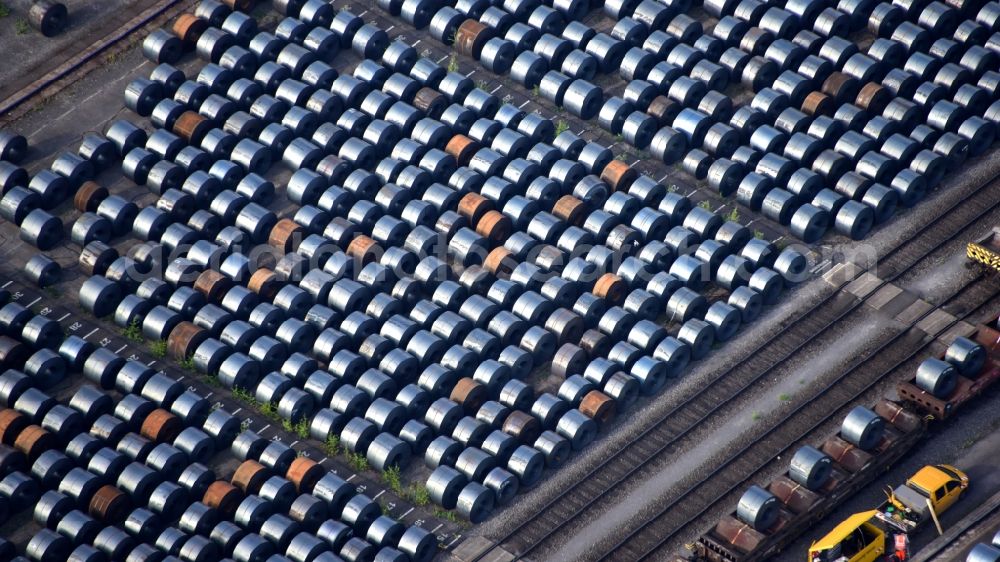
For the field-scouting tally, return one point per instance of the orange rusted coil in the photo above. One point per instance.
(89, 196)
(897, 416)
(469, 393)
(213, 285)
(364, 248)
(570, 209)
(471, 36)
(846, 455)
(522, 426)
(618, 175)
(598, 406)
(611, 287)
(12, 423)
(304, 473)
(222, 496)
(741, 536)
(473, 206)
(462, 148)
(33, 441)
(184, 340)
(663, 109)
(189, 28)
(840, 86)
(796, 497)
(873, 97)
(264, 283)
(161, 426)
(192, 127)
(495, 226)
(286, 235)
(109, 504)
(250, 476)
(818, 103)
(430, 101)
(500, 262)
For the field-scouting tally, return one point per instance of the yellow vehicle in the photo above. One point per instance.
(857, 539)
(926, 495)
(986, 250)
(861, 538)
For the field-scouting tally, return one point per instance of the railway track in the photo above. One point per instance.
(112, 38)
(726, 481)
(695, 409)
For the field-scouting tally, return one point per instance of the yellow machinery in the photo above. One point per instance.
(860, 538)
(856, 539)
(986, 250)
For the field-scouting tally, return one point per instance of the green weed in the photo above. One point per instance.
(734, 215)
(21, 26)
(561, 127)
(4, 10)
(784, 397)
(758, 235)
(158, 349)
(357, 461)
(133, 332)
(707, 205)
(332, 445)
(453, 63)
(187, 363)
(756, 416)
(391, 477)
(419, 495)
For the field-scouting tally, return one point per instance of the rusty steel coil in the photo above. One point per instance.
(213, 285)
(873, 97)
(598, 406)
(304, 473)
(664, 110)
(89, 197)
(495, 226)
(161, 426)
(286, 235)
(265, 283)
(109, 504)
(611, 287)
(189, 27)
(522, 426)
(462, 148)
(469, 394)
(430, 101)
(365, 249)
(192, 127)
(471, 37)
(618, 175)
(12, 423)
(500, 261)
(473, 206)
(840, 86)
(818, 103)
(184, 340)
(222, 496)
(33, 441)
(250, 476)
(570, 209)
